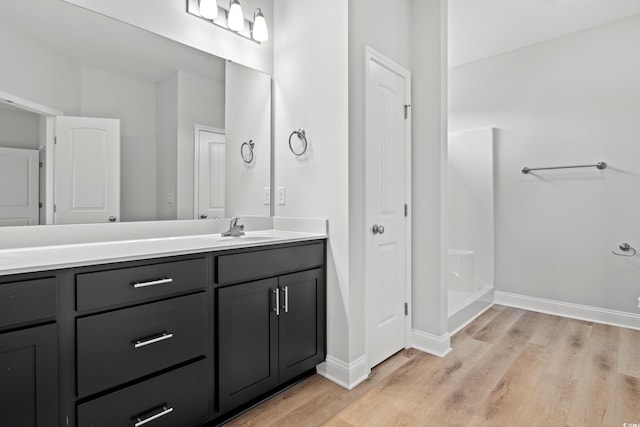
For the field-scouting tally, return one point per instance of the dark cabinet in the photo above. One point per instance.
(247, 330)
(28, 378)
(301, 332)
(177, 341)
(269, 332)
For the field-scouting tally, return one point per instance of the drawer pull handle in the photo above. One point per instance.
(162, 413)
(142, 343)
(152, 283)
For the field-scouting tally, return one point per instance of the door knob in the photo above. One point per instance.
(377, 229)
(203, 216)
(112, 219)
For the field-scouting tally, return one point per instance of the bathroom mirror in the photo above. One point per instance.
(168, 97)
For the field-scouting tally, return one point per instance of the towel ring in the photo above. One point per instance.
(625, 247)
(302, 136)
(246, 151)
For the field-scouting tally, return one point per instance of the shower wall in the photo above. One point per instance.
(470, 199)
(571, 100)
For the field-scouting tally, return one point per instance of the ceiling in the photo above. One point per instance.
(104, 43)
(482, 28)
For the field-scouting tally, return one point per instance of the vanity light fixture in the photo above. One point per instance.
(235, 19)
(231, 18)
(208, 9)
(259, 30)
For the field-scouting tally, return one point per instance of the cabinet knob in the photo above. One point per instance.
(112, 219)
(203, 216)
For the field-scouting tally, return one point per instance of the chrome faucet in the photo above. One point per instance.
(234, 230)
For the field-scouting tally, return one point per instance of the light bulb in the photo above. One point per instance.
(235, 20)
(260, 32)
(209, 9)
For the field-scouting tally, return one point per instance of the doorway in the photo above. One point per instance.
(210, 169)
(387, 206)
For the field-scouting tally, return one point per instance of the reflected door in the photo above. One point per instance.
(211, 174)
(19, 181)
(87, 170)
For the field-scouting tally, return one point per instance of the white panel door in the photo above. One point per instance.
(211, 174)
(19, 187)
(87, 170)
(385, 195)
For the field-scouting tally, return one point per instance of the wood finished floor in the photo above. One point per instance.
(509, 367)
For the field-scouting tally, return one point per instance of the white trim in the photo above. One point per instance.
(573, 311)
(437, 345)
(24, 104)
(196, 164)
(347, 375)
(370, 55)
(472, 318)
(49, 115)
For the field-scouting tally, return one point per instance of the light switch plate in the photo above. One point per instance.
(267, 195)
(282, 195)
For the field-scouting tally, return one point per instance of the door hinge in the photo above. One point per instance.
(406, 111)
(406, 209)
(406, 308)
(41, 165)
(40, 205)
(55, 209)
(55, 140)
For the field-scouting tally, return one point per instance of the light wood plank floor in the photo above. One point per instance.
(509, 367)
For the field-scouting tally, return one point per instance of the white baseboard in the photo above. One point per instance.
(429, 343)
(573, 311)
(347, 375)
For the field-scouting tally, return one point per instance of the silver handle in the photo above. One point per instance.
(377, 229)
(286, 299)
(162, 413)
(112, 219)
(277, 309)
(152, 282)
(153, 340)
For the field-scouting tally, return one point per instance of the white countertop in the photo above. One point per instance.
(40, 258)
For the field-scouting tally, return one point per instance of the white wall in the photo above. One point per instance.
(248, 117)
(170, 19)
(429, 122)
(19, 129)
(311, 92)
(132, 101)
(37, 73)
(200, 102)
(573, 100)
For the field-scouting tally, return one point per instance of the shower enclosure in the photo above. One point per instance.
(470, 258)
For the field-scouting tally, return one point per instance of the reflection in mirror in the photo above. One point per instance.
(79, 63)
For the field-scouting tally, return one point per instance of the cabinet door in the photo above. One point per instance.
(301, 322)
(29, 377)
(247, 342)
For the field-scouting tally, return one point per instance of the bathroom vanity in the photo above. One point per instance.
(189, 335)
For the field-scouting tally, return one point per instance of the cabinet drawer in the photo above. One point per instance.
(181, 396)
(247, 266)
(28, 301)
(126, 344)
(134, 284)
